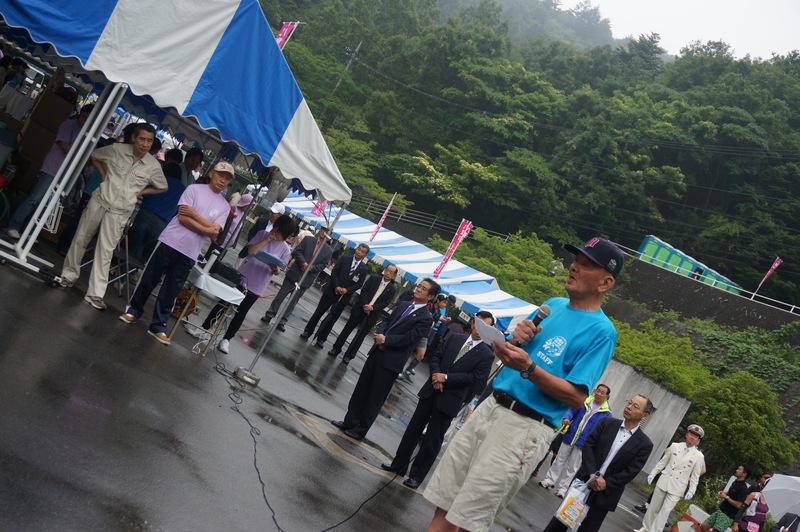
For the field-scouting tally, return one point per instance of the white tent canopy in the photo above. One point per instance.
(215, 61)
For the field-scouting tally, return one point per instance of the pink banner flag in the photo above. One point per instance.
(383, 218)
(461, 234)
(285, 33)
(319, 208)
(772, 269)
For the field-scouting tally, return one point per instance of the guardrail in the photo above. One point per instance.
(376, 208)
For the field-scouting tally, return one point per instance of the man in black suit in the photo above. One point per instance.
(302, 255)
(377, 292)
(618, 449)
(788, 523)
(400, 334)
(347, 276)
(462, 361)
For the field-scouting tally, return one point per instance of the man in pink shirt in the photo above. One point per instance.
(202, 211)
(67, 133)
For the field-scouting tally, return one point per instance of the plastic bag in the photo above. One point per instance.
(574, 506)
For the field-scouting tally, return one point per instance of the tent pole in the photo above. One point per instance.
(277, 319)
(75, 160)
(73, 163)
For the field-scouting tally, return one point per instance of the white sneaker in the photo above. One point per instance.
(195, 331)
(545, 484)
(223, 345)
(560, 494)
(13, 233)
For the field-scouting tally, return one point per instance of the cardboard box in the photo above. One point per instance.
(12, 124)
(35, 141)
(50, 110)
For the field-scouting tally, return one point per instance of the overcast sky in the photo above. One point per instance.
(755, 27)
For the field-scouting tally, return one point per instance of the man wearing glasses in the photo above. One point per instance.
(581, 422)
(409, 323)
(547, 369)
(680, 468)
(618, 449)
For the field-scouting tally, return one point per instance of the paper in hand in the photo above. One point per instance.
(488, 333)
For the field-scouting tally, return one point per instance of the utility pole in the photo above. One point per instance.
(353, 54)
(327, 113)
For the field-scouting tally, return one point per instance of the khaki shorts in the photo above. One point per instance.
(486, 464)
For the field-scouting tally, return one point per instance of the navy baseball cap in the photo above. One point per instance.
(603, 253)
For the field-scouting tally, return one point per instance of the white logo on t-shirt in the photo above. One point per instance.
(552, 348)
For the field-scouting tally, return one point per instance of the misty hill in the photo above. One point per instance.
(526, 20)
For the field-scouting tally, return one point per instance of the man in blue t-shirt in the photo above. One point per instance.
(547, 370)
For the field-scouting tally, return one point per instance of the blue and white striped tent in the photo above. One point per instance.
(413, 260)
(472, 297)
(216, 61)
(473, 290)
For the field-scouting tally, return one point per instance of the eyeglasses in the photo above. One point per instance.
(694, 434)
(631, 403)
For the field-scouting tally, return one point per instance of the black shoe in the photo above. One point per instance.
(319, 345)
(334, 352)
(411, 483)
(281, 327)
(305, 335)
(641, 508)
(390, 469)
(353, 434)
(266, 319)
(339, 425)
(346, 360)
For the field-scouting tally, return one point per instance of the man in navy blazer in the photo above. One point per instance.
(347, 276)
(452, 379)
(377, 292)
(409, 323)
(618, 449)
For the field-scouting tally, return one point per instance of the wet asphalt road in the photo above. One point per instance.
(104, 428)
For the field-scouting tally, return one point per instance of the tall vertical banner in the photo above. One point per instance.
(772, 269)
(461, 234)
(383, 218)
(285, 34)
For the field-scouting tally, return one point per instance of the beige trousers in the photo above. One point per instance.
(108, 226)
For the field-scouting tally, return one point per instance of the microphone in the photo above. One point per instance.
(544, 311)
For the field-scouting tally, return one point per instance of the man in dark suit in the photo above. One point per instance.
(400, 334)
(618, 449)
(302, 255)
(377, 292)
(788, 523)
(347, 276)
(462, 361)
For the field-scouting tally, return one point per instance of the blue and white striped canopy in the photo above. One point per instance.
(473, 290)
(472, 297)
(216, 61)
(413, 260)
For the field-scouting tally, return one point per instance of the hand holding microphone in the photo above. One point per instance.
(510, 353)
(527, 329)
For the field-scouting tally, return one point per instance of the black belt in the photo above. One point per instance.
(503, 399)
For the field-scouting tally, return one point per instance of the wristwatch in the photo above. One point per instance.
(526, 373)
